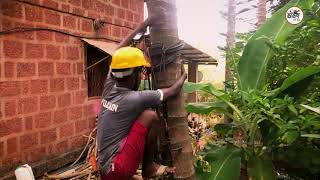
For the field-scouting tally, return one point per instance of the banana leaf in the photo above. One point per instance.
(257, 53)
(317, 110)
(225, 164)
(298, 76)
(261, 169)
(206, 108)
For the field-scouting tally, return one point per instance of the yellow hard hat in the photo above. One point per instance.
(128, 57)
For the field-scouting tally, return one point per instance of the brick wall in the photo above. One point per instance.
(44, 109)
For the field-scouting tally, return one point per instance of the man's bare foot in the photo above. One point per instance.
(156, 170)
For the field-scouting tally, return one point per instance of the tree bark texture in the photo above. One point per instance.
(164, 31)
(261, 12)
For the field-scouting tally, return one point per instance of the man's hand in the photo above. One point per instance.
(175, 88)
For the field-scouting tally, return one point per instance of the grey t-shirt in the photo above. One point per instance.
(119, 109)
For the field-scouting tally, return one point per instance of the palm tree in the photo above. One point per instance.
(164, 31)
(231, 31)
(261, 12)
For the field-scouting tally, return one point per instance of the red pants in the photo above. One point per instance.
(126, 162)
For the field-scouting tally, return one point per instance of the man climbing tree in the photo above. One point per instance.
(126, 118)
(177, 150)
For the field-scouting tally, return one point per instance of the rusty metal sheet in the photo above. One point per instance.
(108, 47)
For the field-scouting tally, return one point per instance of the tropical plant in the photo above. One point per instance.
(265, 121)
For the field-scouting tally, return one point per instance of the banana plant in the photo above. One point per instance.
(253, 105)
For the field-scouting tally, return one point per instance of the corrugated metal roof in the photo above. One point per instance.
(108, 47)
(190, 53)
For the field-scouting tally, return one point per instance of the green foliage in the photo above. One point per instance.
(266, 112)
(261, 169)
(254, 60)
(225, 163)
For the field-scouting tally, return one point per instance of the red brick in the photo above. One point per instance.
(11, 126)
(60, 116)
(121, 13)
(136, 18)
(109, 10)
(1, 149)
(81, 126)
(12, 145)
(77, 141)
(52, 17)
(28, 123)
(75, 2)
(132, 5)
(9, 68)
(69, 22)
(29, 140)
(47, 102)
(36, 154)
(99, 7)
(116, 31)
(28, 105)
(48, 136)
(33, 13)
(11, 9)
(39, 86)
(45, 69)
(80, 68)
(72, 53)
(66, 130)
(25, 87)
(63, 68)
(86, 25)
(125, 3)
(53, 52)
(80, 97)
(87, 4)
(75, 113)
(51, 4)
(12, 49)
(92, 122)
(64, 100)
(34, 51)
(12, 161)
(10, 108)
(73, 83)
(44, 35)
(61, 38)
(42, 120)
(10, 88)
(26, 69)
(116, 2)
(56, 85)
(129, 16)
(78, 11)
(24, 35)
(65, 7)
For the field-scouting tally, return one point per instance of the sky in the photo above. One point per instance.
(200, 24)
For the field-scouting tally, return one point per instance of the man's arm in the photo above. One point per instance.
(175, 88)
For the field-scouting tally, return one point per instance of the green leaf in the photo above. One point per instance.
(253, 63)
(223, 129)
(317, 110)
(311, 135)
(298, 76)
(290, 136)
(225, 164)
(261, 169)
(206, 108)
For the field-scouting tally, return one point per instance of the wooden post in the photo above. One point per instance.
(192, 77)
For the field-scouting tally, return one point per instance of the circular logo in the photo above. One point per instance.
(294, 15)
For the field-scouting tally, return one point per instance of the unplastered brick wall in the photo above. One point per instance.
(45, 109)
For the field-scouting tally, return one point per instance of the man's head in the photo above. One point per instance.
(126, 66)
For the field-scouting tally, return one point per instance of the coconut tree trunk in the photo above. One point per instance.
(261, 12)
(231, 29)
(164, 31)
